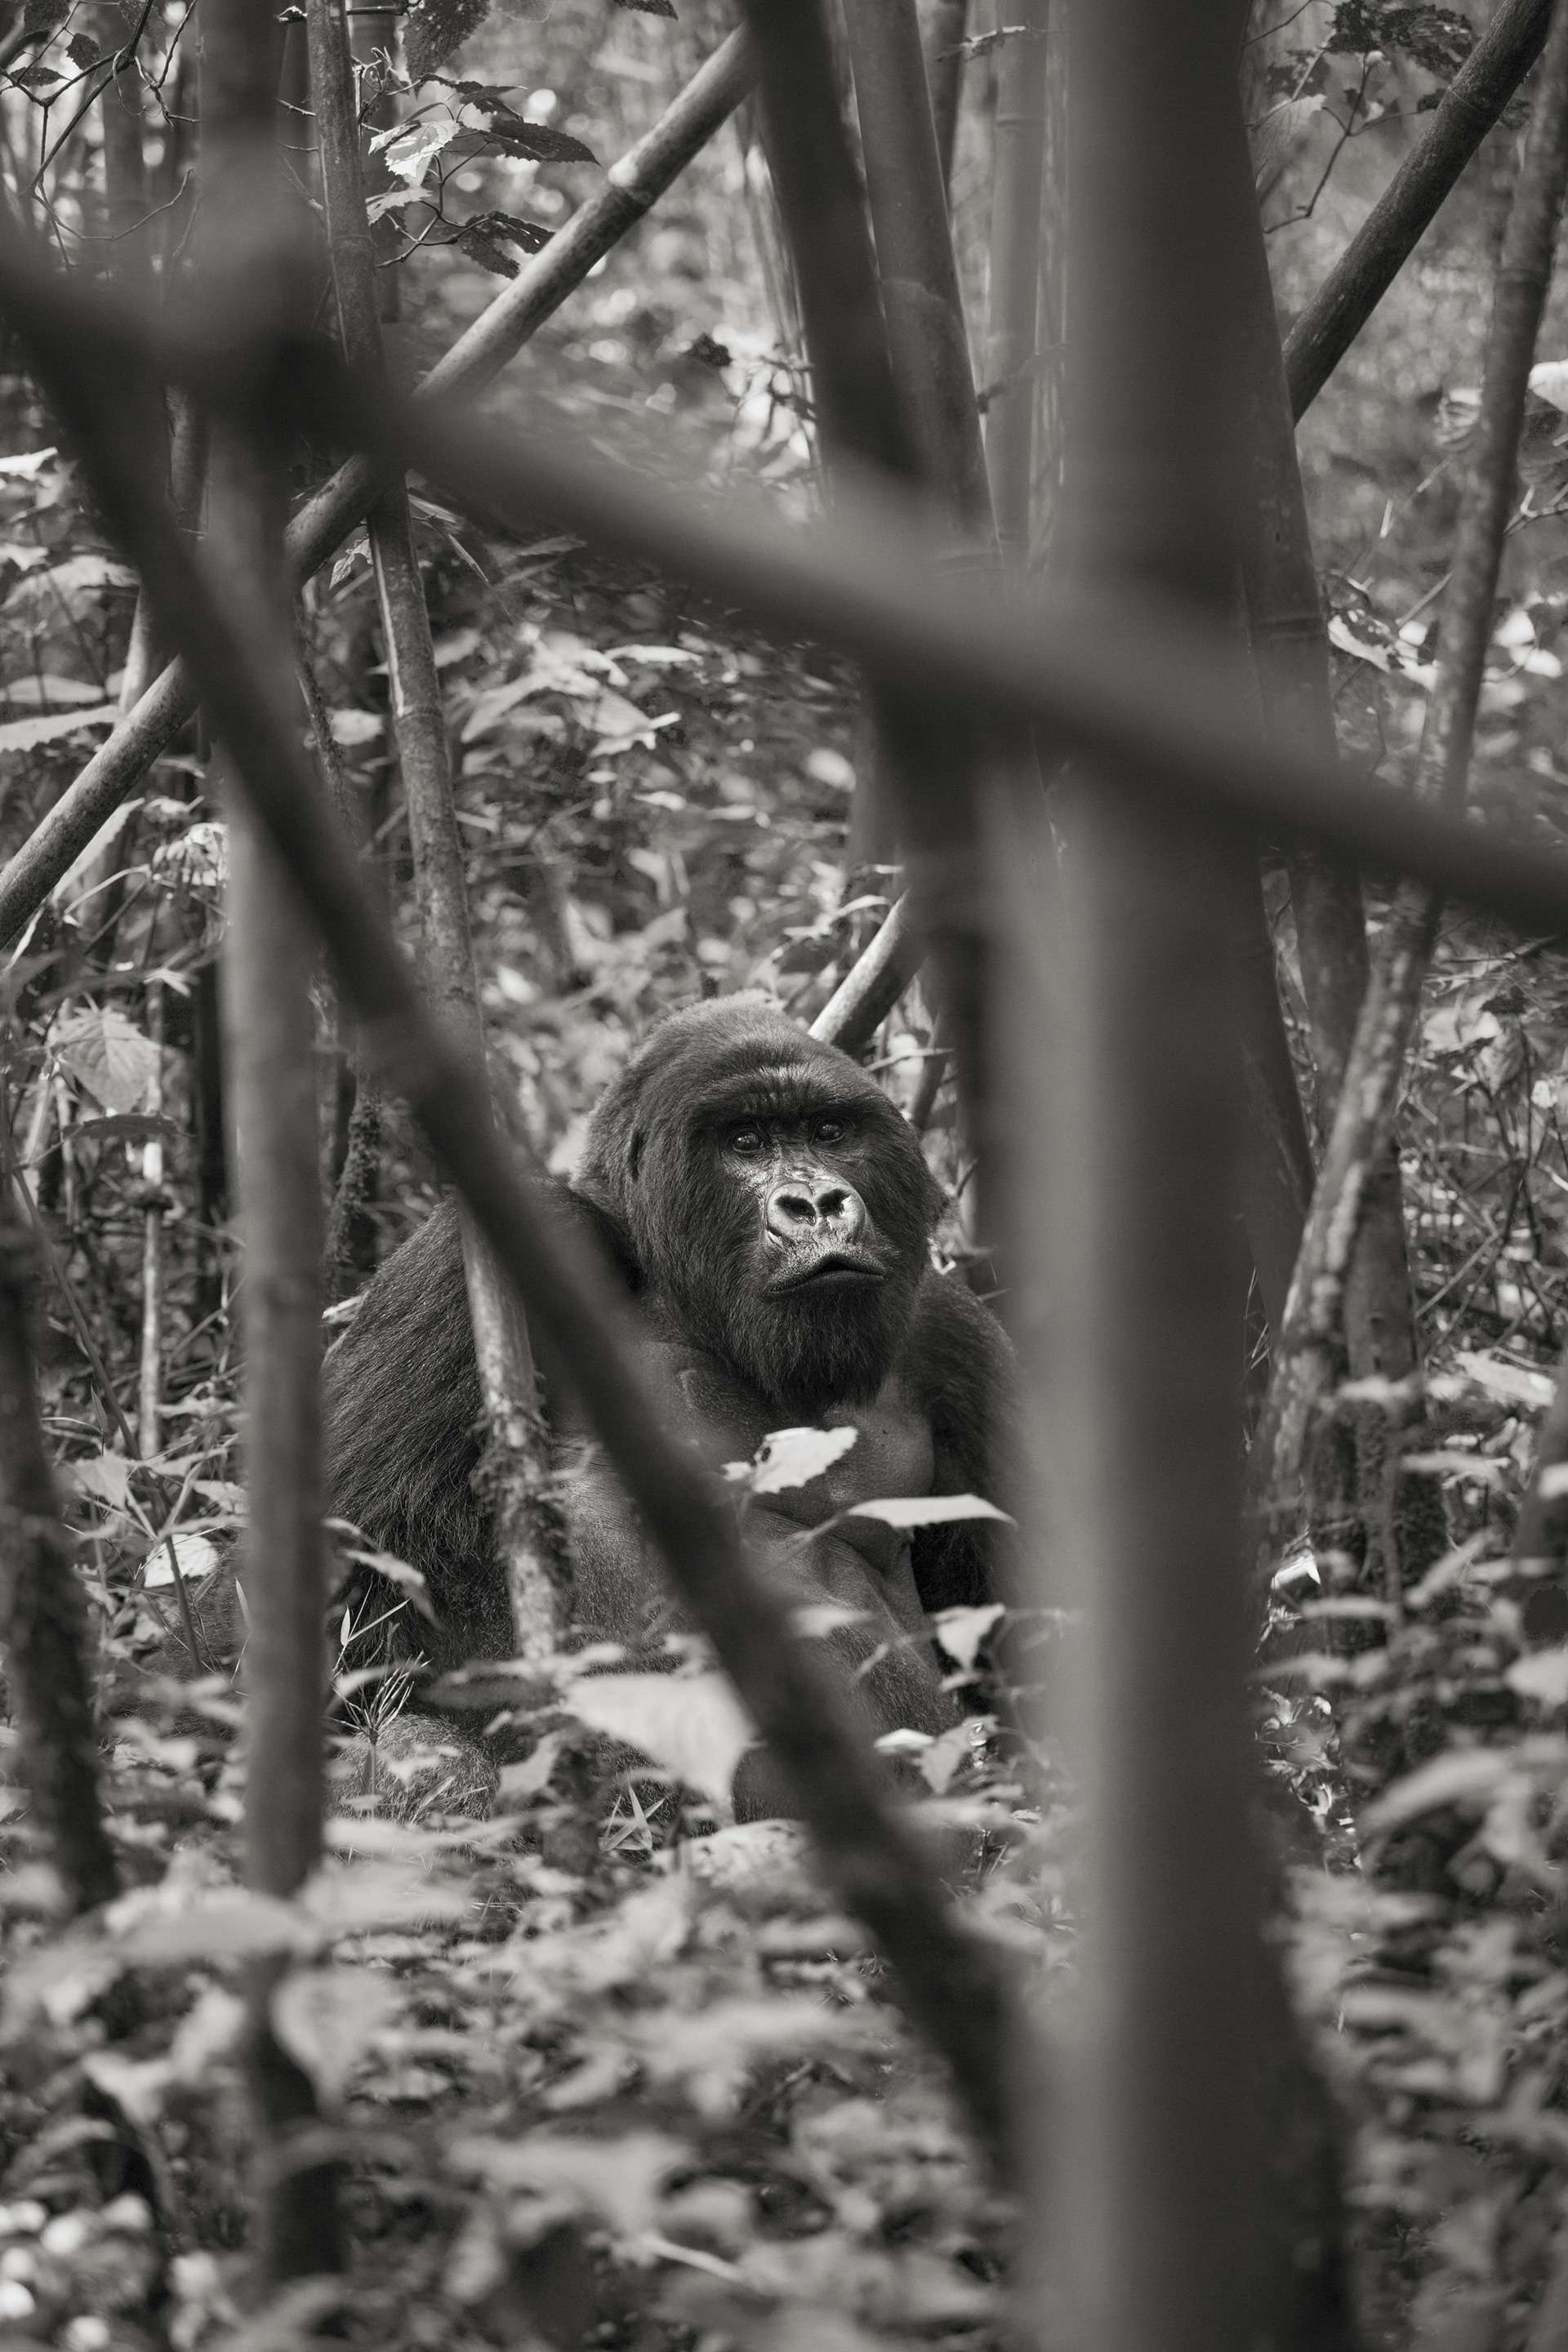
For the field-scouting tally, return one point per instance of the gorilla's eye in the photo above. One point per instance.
(829, 1130)
(746, 1139)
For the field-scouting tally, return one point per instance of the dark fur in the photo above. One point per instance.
(652, 1165)
(403, 1395)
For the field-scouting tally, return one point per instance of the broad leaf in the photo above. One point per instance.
(107, 1056)
(793, 1457)
(927, 1510)
(692, 1726)
(435, 29)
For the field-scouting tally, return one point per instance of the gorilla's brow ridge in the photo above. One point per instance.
(775, 1092)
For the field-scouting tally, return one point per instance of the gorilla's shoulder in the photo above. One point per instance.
(956, 1337)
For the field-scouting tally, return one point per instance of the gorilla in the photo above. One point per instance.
(769, 1211)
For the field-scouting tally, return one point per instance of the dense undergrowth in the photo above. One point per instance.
(600, 2069)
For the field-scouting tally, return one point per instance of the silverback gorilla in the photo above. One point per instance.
(769, 1209)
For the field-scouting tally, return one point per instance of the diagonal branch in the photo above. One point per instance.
(1403, 214)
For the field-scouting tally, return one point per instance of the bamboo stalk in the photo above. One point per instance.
(528, 1536)
(946, 27)
(270, 1043)
(149, 1387)
(873, 983)
(1017, 185)
(1309, 1363)
(631, 187)
(917, 274)
(1291, 650)
(1158, 2205)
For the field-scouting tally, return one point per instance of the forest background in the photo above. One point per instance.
(586, 2095)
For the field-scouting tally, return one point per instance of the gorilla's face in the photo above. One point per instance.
(774, 1200)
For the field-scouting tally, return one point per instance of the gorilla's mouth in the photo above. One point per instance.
(832, 1269)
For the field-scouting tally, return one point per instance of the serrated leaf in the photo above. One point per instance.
(692, 1726)
(435, 29)
(532, 236)
(538, 141)
(927, 1510)
(1276, 138)
(108, 1055)
(408, 153)
(391, 200)
(486, 253)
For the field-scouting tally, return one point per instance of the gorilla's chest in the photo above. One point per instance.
(891, 1456)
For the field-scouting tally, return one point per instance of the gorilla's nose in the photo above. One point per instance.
(810, 1208)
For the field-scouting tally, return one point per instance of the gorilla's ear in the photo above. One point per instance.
(604, 1230)
(635, 1152)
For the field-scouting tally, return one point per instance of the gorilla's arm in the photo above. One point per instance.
(621, 1592)
(403, 1421)
(959, 1365)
